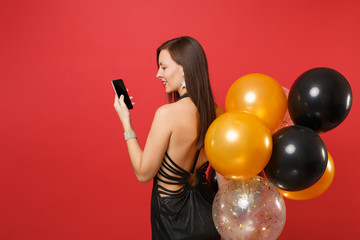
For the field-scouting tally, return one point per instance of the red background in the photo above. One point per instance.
(65, 171)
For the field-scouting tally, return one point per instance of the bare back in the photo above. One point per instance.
(182, 143)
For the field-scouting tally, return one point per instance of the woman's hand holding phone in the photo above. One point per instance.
(122, 103)
(120, 89)
(123, 112)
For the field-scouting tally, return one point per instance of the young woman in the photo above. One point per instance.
(173, 156)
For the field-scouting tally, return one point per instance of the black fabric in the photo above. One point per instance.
(183, 96)
(184, 213)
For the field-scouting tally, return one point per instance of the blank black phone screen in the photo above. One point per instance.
(120, 89)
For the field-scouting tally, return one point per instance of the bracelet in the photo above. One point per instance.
(129, 134)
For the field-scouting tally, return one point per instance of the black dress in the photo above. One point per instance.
(186, 212)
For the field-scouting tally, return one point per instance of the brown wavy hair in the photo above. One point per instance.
(187, 52)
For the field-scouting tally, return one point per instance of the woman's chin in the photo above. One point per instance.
(169, 90)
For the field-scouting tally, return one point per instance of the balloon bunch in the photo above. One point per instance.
(268, 129)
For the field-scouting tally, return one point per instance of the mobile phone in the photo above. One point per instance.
(120, 89)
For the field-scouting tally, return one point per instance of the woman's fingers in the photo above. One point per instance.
(116, 101)
(131, 97)
(121, 101)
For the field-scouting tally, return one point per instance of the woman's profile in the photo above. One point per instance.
(173, 156)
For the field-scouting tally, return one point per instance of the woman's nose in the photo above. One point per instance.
(159, 74)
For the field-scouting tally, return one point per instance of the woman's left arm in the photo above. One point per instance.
(146, 163)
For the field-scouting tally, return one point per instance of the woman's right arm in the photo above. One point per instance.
(146, 162)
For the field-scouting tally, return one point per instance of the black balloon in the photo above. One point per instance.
(320, 99)
(298, 160)
(213, 180)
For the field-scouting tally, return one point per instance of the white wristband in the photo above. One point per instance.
(129, 134)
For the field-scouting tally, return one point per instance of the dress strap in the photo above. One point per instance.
(195, 160)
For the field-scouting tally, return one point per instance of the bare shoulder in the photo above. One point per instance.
(165, 114)
(175, 110)
(162, 114)
(163, 110)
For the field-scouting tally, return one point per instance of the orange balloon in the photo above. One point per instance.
(318, 188)
(238, 145)
(260, 95)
